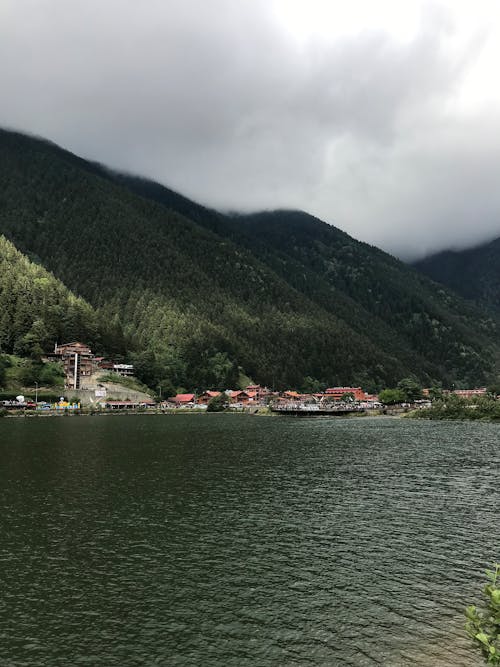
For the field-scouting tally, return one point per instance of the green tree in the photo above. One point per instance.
(221, 372)
(217, 403)
(391, 396)
(28, 373)
(483, 623)
(165, 389)
(4, 364)
(28, 346)
(52, 375)
(410, 388)
(494, 389)
(311, 386)
(435, 393)
(146, 368)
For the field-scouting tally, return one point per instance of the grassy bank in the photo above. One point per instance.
(127, 382)
(483, 408)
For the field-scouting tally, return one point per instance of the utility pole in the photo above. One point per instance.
(36, 395)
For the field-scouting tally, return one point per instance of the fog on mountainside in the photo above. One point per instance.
(473, 273)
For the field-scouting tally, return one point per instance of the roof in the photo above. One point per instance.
(85, 349)
(74, 344)
(183, 398)
(243, 393)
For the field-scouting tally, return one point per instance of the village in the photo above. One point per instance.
(93, 381)
(99, 384)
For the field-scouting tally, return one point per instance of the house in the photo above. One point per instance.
(292, 395)
(261, 392)
(104, 364)
(243, 397)
(77, 360)
(180, 400)
(206, 397)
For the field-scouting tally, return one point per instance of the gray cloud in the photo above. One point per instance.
(218, 101)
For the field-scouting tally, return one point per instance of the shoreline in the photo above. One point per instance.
(30, 414)
(262, 412)
(255, 413)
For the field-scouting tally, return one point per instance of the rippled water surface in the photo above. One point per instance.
(229, 540)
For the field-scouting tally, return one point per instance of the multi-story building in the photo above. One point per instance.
(336, 393)
(78, 362)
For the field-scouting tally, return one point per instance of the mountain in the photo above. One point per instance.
(198, 297)
(473, 273)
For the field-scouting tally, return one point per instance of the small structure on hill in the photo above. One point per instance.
(126, 370)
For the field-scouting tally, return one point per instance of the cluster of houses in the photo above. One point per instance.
(80, 364)
(255, 395)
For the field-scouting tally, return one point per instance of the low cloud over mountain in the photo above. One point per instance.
(384, 123)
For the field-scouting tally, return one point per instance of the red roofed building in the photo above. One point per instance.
(336, 393)
(292, 394)
(243, 397)
(261, 392)
(470, 393)
(183, 399)
(206, 397)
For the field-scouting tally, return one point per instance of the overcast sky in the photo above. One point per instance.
(378, 116)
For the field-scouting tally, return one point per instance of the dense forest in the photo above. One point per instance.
(198, 299)
(36, 309)
(473, 273)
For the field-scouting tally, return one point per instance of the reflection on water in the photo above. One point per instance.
(229, 540)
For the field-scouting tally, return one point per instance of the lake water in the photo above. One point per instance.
(238, 541)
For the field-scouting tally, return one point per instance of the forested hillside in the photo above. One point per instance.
(404, 308)
(473, 273)
(195, 297)
(36, 309)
